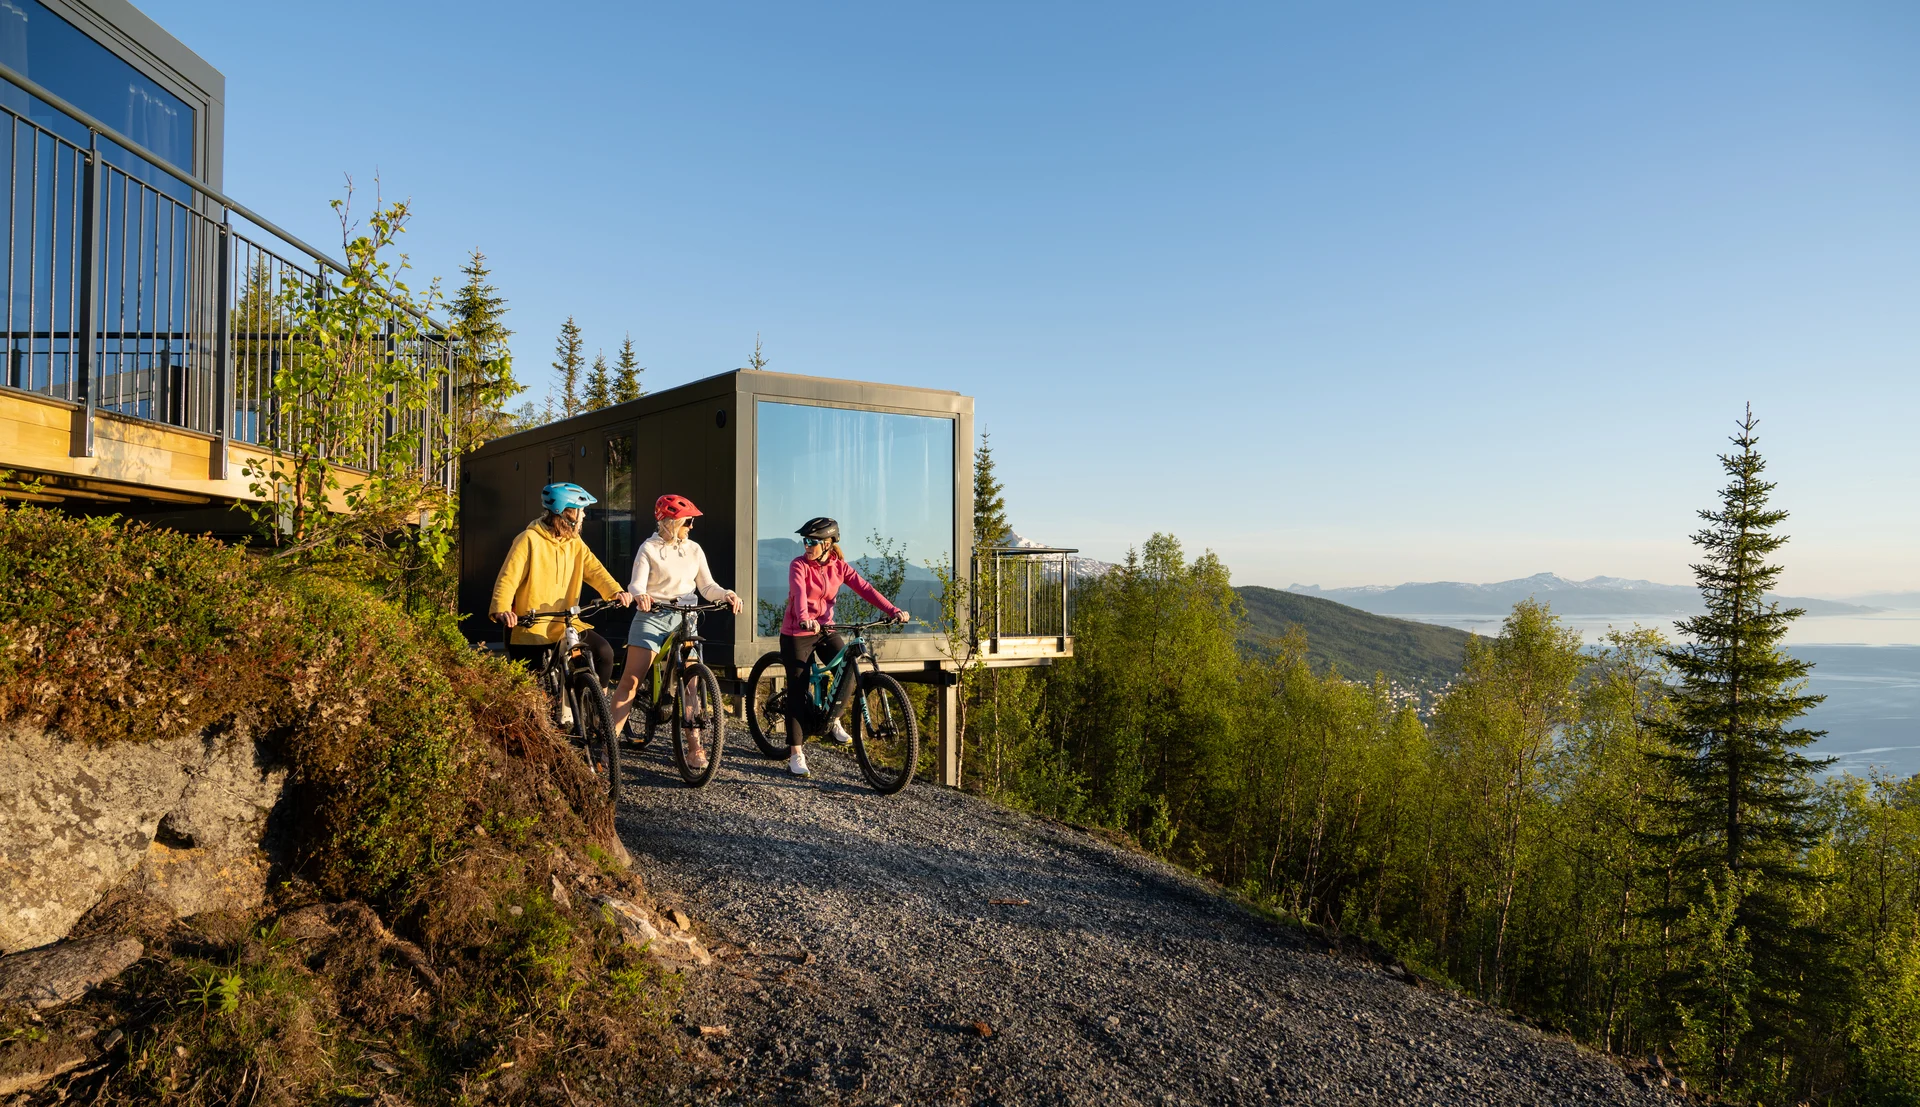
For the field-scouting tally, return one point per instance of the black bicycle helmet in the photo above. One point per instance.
(819, 527)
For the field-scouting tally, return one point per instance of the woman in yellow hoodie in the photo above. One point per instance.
(544, 569)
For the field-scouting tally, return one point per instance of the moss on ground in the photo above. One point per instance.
(431, 937)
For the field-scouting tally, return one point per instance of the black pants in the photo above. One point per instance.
(795, 650)
(597, 647)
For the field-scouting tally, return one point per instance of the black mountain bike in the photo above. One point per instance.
(576, 701)
(689, 704)
(886, 736)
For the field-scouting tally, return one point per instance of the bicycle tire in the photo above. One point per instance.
(593, 729)
(767, 708)
(707, 713)
(886, 736)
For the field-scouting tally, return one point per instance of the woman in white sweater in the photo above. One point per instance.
(667, 566)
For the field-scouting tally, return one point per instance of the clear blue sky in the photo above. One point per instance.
(1348, 293)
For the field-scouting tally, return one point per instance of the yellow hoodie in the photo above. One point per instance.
(543, 573)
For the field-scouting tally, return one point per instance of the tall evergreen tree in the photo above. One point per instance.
(567, 363)
(627, 370)
(483, 366)
(990, 526)
(1744, 814)
(599, 384)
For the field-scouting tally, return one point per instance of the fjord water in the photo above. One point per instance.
(1868, 667)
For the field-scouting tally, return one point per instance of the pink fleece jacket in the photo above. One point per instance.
(812, 585)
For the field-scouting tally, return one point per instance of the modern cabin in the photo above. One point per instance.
(760, 453)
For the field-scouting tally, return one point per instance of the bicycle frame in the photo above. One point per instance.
(681, 646)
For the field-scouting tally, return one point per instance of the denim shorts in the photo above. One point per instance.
(650, 628)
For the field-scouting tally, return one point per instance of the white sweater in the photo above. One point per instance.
(669, 572)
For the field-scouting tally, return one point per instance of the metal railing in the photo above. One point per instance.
(1022, 592)
(129, 289)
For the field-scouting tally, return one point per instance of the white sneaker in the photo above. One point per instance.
(797, 762)
(838, 734)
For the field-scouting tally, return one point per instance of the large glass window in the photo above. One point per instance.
(887, 479)
(62, 57)
(617, 505)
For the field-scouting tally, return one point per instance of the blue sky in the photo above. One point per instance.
(1348, 294)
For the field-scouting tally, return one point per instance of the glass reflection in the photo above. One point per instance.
(887, 479)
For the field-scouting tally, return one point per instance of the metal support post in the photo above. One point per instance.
(222, 354)
(82, 441)
(947, 747)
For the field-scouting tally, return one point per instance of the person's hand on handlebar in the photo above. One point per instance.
(506, 617)
(624, 599)
(644, 602)
(902, 617)
(733, 602)
(809, 625)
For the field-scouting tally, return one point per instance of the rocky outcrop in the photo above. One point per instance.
(178, 820)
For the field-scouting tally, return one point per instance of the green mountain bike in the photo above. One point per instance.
(886, 736)
(690, 706)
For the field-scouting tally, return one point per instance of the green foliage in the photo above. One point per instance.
(483, 381)
(627, 370)
(346, 486)
(885, 569)
(1357, 643)
(568, 360)
(599, 392)
(990, 526)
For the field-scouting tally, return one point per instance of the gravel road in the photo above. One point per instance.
(932, 947)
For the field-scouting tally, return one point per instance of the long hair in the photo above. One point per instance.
(669, 531)
(833, 550)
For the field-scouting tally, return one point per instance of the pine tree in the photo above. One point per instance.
(626, 379)
(990, 527)
(568, 361)
(758, 361)
(599, 384)
(1744, 817)
(483, 366)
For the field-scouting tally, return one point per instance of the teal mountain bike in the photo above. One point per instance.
(886, 737)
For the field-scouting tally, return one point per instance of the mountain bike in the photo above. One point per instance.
(689, 704)
(576, 700)
(886, 736)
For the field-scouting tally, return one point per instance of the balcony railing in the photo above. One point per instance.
(1023, 600)
(131, 289)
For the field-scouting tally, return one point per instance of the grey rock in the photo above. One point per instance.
(180, 820)
(65, 971)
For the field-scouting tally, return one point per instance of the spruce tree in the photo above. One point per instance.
(599, 384)
(990, 526)
(483, 366)
(627, 370)
(1744, 815)
(568, 361)
(758, 360)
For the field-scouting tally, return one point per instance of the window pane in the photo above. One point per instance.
(887, 479)
(62, 57)
(618, 505)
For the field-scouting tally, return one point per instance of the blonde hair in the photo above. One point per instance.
(669, 530)
(833, 549)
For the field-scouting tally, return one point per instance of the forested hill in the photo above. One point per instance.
(1359, 642)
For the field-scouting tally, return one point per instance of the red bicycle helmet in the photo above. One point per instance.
(673, 507)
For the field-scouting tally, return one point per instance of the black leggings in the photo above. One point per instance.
(597, 647)
(795, 649)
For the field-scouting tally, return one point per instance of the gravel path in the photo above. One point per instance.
(862, 956)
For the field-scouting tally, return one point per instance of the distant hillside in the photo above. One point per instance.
(1595, 596)
(1359, 642)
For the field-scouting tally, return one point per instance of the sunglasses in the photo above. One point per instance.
(812, 542)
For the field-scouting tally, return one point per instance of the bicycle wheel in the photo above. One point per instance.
(593, 729)
(767, 707)
(699, 723)
(886, 737)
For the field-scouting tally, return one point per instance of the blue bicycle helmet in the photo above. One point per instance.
(559, 497)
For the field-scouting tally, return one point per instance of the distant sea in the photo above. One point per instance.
(1868, 667)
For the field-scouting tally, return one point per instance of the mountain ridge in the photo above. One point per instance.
(1599, 595)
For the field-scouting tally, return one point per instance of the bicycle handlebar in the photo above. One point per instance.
(864, 626)
(709, 605)
(594, 608)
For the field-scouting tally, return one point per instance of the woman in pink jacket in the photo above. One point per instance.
(813, 580)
